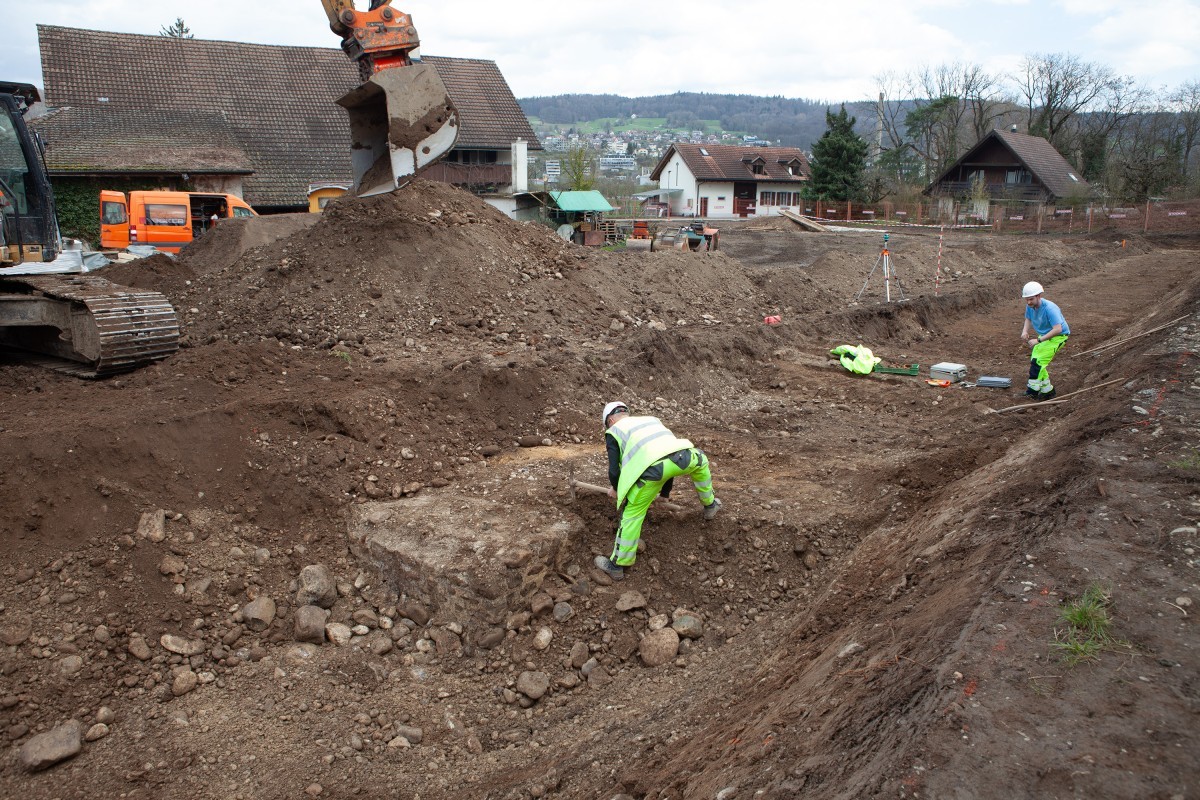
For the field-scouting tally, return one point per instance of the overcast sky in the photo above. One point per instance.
(827, 51)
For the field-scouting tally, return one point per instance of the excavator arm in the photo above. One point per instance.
(401, 117)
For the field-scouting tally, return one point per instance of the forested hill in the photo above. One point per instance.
(794, 122)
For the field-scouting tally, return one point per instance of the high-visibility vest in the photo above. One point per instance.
(642, 441)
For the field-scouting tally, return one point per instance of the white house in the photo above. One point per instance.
(724, 181)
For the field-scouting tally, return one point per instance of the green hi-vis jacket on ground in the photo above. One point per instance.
(643, 440)
(856, 359)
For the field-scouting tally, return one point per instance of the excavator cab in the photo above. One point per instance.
(28, 223)
(401, 117)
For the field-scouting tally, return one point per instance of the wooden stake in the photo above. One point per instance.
(1057, 400)
(1131, 338)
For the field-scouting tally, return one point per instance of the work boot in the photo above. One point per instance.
(609, 568)
(1046, 395)
(711, 511)
(1031, 394)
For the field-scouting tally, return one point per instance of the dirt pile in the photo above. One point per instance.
(329, 547)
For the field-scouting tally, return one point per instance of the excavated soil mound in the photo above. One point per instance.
(330, 548)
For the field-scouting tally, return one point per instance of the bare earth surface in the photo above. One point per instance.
(395, 396)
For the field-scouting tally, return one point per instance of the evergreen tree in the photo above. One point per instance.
(177, 30)
(839, 160)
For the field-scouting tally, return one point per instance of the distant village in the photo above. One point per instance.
(630, 153)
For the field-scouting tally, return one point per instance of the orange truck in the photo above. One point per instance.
(167, 220)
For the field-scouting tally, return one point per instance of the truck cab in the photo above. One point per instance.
(166, 220)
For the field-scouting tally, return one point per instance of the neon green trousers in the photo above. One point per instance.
(1043, 353)
(691, 462)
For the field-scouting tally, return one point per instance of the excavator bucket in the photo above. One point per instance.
(401, 120)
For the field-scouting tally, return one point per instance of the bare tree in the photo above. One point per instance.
(1056, 88)
(1185, 102)
(1145, 157)
(938, 112)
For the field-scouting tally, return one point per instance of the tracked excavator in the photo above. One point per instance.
(52, 310)
(401, 117)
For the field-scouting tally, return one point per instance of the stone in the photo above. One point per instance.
(317, 587)
(413, 734)
(259, 613)
(380, 643)
(658, 622)
(541, 604)
(851, 649)
(659, 647)
(106, 715)
(630, 600)
(15, 632)
(153, 525)
(365, 616)
(416, 612)
(185, 681)
(533, 684)
(446, 641)
(309, 624)
(172, 565)
(338, 633)
(97, 731)
(138, 648)
(563, 612)
(47, 749)
(598, 678)
(490, 638)
(180, 645)
(71, 665)
(688, 626)
(542, 639)
(579, 655)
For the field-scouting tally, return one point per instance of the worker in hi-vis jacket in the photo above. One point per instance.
(1044, 331)
(643, 460)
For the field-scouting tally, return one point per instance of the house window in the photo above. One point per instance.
(758, 168)
(794, 168)
(1018, 176)
(471, 156)
(767, 198)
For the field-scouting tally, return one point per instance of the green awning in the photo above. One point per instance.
(581, 201)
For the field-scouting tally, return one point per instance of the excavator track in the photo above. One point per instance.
(85, 325)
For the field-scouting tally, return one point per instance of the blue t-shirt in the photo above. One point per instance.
(1045, 317)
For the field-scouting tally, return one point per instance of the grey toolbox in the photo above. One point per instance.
(947, 371)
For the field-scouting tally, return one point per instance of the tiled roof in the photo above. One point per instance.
(279, 101)
(94, 139)
(490, 115)
(1040, 158)
(725, 162)
(1037, 155)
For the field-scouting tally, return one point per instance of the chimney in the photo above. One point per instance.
(1013, 129)
(520, 166)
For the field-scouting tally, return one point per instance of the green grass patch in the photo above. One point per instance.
(1191, 461)
(1088, 630)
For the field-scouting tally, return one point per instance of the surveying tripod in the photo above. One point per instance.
(885, 259)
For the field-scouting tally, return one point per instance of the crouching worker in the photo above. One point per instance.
(643, 460)
(1045, 331)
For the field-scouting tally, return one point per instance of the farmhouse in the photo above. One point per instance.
(724, 181)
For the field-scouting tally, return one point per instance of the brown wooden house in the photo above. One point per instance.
(257, 120)
(1013, 166)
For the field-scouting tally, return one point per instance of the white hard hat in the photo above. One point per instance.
(609, 409)
(1032, 289)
